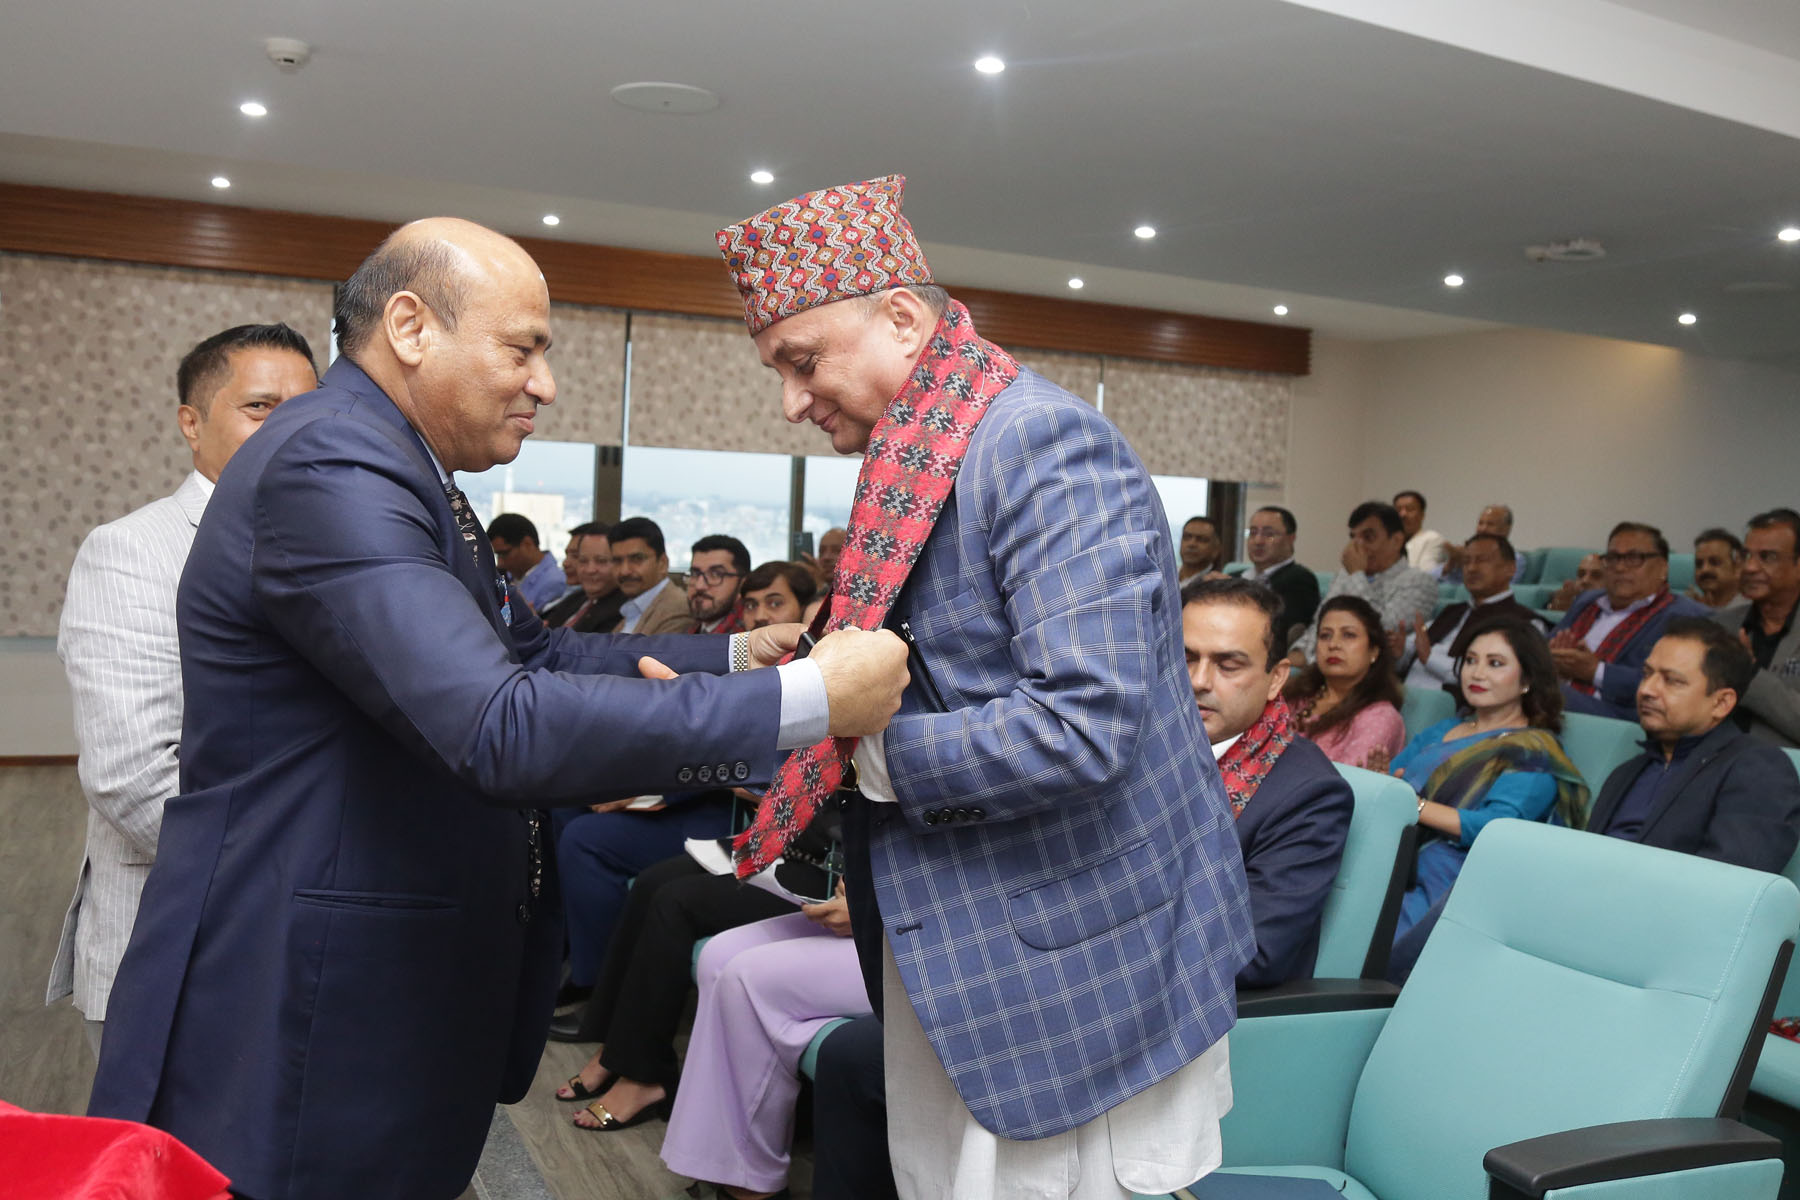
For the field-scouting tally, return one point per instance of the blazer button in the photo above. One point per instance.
(524, 914)
(976, 814)
(961, 814)
(930, 817)
(722, 772)
(741, 772)
(685, 775)
(704, 775)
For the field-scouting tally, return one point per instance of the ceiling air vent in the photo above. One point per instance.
(1573, 250)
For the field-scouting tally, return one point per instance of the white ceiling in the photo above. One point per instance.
(1284, 152)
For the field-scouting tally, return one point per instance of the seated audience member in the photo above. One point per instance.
(765, 991)
(1600, 646)
(1375, 570)
(1718, 558)
(716, 571)
(1348, 702)
(1499, 758)
(1426, 549)
(1590, 573)
(1269, 545)
(824, 567)
(777, 592)
(1292, 807)
(1702, 786)
(1487, 567)
(850, 1145)
(515, 542)
(1202, 549)
(1764, 620)
(1495, 519)
(641, 564)
(599, 612)
(561, 611)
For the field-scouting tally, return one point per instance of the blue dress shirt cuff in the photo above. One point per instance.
(805, 709)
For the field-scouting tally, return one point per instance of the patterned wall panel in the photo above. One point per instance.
(698, 384)
(1076, 373)
(1202, 422)
(587, 356)
(88, 352)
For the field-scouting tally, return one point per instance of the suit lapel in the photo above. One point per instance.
(1710, 749)
(191, 497)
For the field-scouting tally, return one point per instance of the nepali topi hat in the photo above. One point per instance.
(822, 247)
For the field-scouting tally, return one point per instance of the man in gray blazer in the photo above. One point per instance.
(118, 643)
(1764, 619)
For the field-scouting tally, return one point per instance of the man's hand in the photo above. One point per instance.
(864, 674)
(1421, 640)
(1355, 557)
(1574, 662)
(772, 643)
(1565, 596)
(1453, 555)
(622, 805)
(833, 914)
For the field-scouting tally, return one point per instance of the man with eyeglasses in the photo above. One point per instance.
(1600, 647)
(641, 567)
(1487, 561)
(1764, 620)
(716, 569)
(1269, 545)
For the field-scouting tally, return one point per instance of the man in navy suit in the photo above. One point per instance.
(347, 951)
(1292, 806)
(1057, 913)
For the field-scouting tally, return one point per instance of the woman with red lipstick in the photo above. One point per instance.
(1348, 701)
(1499, 757)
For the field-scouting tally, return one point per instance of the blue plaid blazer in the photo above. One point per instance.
(1062, 888)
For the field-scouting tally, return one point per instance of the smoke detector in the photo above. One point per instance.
(290, 54)
(1573, 250)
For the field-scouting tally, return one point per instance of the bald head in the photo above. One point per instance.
(438, 259)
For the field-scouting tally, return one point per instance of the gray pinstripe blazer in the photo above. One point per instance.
(1062, 886)
(118, 643)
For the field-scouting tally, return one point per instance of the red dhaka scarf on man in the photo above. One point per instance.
(1621, 634)
(1250, 759)
(914, 454)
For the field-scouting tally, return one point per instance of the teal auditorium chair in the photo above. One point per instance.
(1534, 567)
(1560, 563)
(1324, 578)
(1681, 572)
(1356, 931)
(1533, 595)
(1775, 1091)
(1423, 707)
(1598, 744)
(1583, 1025)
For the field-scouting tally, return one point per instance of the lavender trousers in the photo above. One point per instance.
(765, 990)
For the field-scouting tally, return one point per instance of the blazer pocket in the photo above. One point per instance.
(1090, 902)
(967, 626)
(373, 902)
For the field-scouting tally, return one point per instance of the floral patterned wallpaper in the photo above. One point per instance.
(696, 383)
(587, 357)
(1202, 422)
(1078, 374)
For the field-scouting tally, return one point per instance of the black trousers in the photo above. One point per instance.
(642, 990)
(850, 1146)
(861, 817)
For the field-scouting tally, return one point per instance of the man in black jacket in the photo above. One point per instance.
(1269, 545)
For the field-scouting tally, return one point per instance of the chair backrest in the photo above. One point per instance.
(1681, 572)
(1533, 595)
(1788, 1005)
(1424, 707)
(1598, 744)
(1560, 563)
(1534, 566)
(1572, 980)
(1357, 930)
(1236, 568)
(1324, 578)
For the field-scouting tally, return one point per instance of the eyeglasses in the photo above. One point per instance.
(1768, 558)
(1632, 559)
(712, 575)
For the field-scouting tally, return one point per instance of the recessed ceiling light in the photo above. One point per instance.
(1687, 318)
(1077, 283)
(1281, 310)
(552, 219)
(1790, 234)
(762, 177)
(219, 181)
(251, 108)
(987, 64)
(1453, 281)
(1145, 231)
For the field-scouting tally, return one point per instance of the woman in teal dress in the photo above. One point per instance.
(1499, 758)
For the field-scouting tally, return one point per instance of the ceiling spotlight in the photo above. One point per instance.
(1145, 231)
(251, 108)
(1687, 318)
(552, 219)
(1453, 281)
(219, 181)
(762, 177)
(1790, 234)
(1077, 283)
(1281, 310)
(987, 64)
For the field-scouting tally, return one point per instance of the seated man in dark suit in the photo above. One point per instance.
(561, 610)
(1269, 545)
(1764, 621)
(1600, 647)
(1702, 786)
(1487, 570)
(1292, 806)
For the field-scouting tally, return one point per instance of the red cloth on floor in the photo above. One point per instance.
(51, 1157)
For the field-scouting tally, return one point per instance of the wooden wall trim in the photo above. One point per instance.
(186, 233)
(37, 760)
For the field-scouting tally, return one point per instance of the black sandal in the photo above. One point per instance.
(581, 1091)
(610, 1124)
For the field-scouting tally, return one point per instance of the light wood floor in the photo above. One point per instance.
(44, 1061)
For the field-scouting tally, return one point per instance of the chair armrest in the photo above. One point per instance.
(1292, 1080)
(1623, 1150)
(1300, 996)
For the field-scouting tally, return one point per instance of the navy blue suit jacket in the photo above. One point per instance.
(1735, 799)
(337, 969)
(1617, 696)
(1292, 833)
